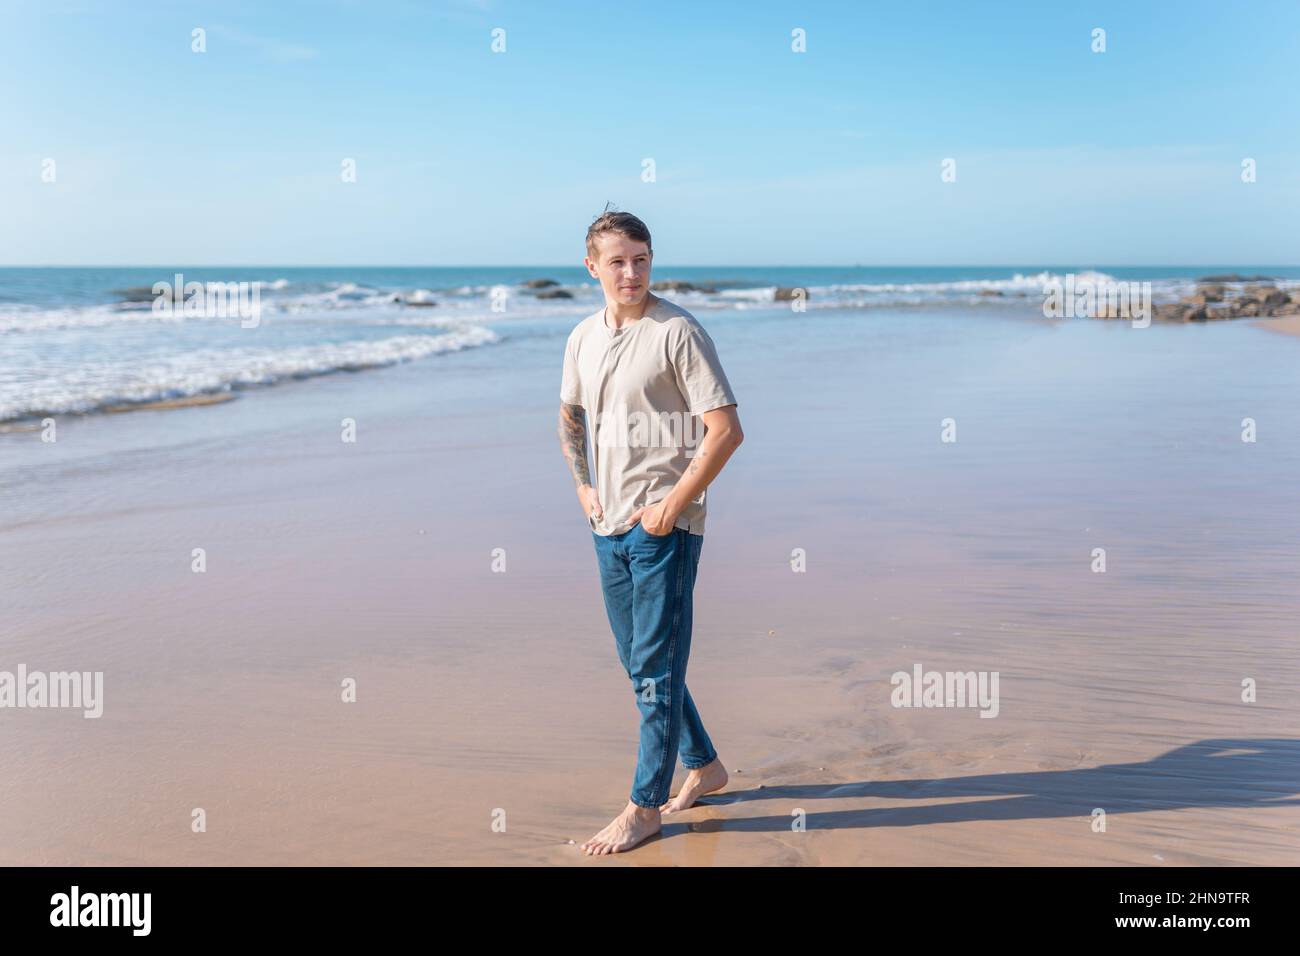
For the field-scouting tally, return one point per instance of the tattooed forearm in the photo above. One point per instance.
(722, 436)
(573, 442)
(697, 461)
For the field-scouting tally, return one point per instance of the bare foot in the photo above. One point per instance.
(699, 781)
(625, 831)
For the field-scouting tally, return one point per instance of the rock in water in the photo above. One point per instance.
(1273, 299)
(1233, 277)
(678, 285)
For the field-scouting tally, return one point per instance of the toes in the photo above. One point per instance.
(675, 804)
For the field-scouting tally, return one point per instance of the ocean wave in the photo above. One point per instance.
(28, 319)
(1027, 284)
(761, 294)
(96, 386)
(373, 305)
(32, 319)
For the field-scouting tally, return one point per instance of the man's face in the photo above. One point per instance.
(623, 267)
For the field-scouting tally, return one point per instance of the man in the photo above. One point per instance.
(647, 375)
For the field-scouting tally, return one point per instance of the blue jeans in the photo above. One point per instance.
(648, 580)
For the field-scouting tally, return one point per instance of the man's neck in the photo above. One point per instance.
(618, 315)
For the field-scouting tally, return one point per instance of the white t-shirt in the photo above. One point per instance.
(643, 386)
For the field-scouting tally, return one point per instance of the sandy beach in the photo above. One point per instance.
(486, 698)
(1290, 325)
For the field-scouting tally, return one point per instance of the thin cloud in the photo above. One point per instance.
(277, 50)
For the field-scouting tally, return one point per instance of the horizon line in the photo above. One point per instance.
(682, 265)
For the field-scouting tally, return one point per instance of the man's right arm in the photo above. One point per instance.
(573, 443)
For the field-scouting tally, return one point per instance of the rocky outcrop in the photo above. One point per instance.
(1211, 302)
(678, 285)
(422, 301)
(555, 294)
(787, 293)
(144, 293)
(539, 283)
(1270, 299)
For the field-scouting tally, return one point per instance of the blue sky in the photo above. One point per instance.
(762, 156)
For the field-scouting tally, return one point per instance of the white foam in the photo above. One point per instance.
(1029, 284)
(30, 319)
(95, 385)
(764, 294)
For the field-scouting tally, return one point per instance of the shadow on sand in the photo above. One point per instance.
(1211, 773)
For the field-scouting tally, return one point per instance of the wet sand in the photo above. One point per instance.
(484, 696)
(161, 404)
(1289, 324)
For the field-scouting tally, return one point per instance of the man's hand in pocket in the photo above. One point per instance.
(657, 519)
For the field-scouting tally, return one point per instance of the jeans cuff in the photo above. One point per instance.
(697, 766)
(649, 806)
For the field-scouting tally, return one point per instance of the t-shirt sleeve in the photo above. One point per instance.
(570, 388)
(699, 371)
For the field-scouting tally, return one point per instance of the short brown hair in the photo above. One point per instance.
(621, 223)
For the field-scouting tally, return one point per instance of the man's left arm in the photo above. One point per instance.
(721, 437)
